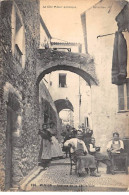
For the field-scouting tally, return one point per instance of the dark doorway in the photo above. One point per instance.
(8, 176)
(12, 108)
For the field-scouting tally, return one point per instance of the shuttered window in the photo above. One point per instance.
(127, 89)
(121, 97)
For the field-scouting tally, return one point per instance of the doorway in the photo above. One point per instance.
(12, 114)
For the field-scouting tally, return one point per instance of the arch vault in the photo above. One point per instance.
(49, 60)
(63, 104)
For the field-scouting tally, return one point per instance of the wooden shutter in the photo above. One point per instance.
(121, 104)
(127, 90)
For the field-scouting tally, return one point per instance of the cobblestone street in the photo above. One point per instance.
(57, 178)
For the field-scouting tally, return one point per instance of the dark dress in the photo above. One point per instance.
(45, 148)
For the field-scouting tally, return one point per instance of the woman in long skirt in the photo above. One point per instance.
(45, 148)
(56, 151)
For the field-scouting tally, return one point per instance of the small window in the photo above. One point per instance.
(18, 36)
(86, 122)
(18, 23)
(18, 54)
(62, 80)
(123, 96)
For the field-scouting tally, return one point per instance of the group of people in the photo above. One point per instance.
(84, 151)
(50, 148)
(82, 148)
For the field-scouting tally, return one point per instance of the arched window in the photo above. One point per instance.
(18, 37)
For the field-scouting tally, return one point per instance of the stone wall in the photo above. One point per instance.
(21, 81)
(81, 64)
(44, 96)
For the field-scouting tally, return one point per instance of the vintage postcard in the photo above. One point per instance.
(64, 95)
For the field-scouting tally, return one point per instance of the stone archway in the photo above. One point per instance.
(81, 64)
(63, 104)
(49, 60)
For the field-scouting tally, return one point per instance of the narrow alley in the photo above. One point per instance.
(64, 90)
(57, 178)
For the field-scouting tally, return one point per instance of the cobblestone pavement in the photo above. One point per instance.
(57, 178)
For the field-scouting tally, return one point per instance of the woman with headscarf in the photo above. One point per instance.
(45, 148)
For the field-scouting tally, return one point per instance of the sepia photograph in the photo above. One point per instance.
(64, 95)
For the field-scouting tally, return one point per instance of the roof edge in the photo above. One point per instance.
(66, 43)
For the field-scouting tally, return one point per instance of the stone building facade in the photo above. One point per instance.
(107, 116)
(47, 110)
(23, 64)
(80, 97)
(19, 140)
(19, 95)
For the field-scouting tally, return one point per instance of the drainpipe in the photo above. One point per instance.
(91, 118)
(80, 51)
(79, 101)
